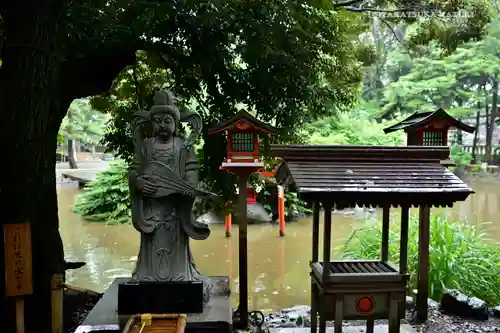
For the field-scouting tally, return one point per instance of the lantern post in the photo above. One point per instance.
(243, 159)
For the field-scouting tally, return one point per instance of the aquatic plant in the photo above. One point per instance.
(106, 199)
(461, 256)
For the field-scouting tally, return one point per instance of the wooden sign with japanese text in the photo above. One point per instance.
(18, 257)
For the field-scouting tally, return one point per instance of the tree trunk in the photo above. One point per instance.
(476, 135)
(494, 112)
(31, 113)
(71, 154)
(487, 118)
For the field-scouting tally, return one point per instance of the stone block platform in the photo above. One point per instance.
(216, 317)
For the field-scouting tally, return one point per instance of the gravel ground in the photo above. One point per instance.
(439, 322)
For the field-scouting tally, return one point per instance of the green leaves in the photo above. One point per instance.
(455, 82)
(460, 256)
(83, 123)
(107, 198)
(354, 127)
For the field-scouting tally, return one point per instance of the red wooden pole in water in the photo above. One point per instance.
(228, 222)
(282, 265)
(230, 259)
(281, 210)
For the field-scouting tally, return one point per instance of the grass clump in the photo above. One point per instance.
(460, 256)
(107, 198)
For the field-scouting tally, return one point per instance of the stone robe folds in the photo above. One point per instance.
(166, 222)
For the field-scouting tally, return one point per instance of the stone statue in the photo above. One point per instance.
(163, 181)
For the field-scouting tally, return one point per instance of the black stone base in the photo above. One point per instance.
(216, 315)
(160, 297)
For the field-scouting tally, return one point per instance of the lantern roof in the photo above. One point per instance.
(420, 120)
(242, 120)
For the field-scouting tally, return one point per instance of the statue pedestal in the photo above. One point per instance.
(216, 315)
(160, 297)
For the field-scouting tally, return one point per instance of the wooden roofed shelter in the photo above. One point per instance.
(428, 128)
(345, 176)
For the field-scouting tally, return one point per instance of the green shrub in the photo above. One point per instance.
(294, 205)
(354, 128)
(459, 157)
(106, 199)
(460, 256)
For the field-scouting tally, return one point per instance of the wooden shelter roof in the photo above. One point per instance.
(370, 175)
(242, 115)
(422, 119)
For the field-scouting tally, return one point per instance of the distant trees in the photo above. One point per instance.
(84, 124)
(463, 82)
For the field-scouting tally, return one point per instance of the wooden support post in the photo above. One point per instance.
(18, 267)
(385, 234)
(403, 244)
(281, 209)
(181, 323)
(243, 256)
(394, 321)
(327, 239)
(423, 262)
(20, 315)
(370, 326)
(315, 232)
(339, 313)
(57, 303)
(227, 224)
(314, 306)
(315, 249)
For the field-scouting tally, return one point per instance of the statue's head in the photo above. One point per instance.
(165, 116)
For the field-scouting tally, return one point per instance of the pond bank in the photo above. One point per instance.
(77, 305)
(300, 317)
(438, 322)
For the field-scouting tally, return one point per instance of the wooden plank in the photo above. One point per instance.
(18, 259)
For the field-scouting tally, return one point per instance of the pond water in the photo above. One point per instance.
(277, 268)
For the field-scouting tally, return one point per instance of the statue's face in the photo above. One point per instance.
(163, 125)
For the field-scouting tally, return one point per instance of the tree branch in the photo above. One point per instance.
(94, 73)
(345, 3)
(375, 10)
(391, 29)
(348, 5)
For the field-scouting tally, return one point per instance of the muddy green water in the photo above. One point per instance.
(277, 268)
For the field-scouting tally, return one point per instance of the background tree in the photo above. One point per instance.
(83, 124)
(460, 82)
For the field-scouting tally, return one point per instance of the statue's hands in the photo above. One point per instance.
(146, 185)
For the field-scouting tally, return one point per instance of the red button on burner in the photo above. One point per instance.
(365, 304)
